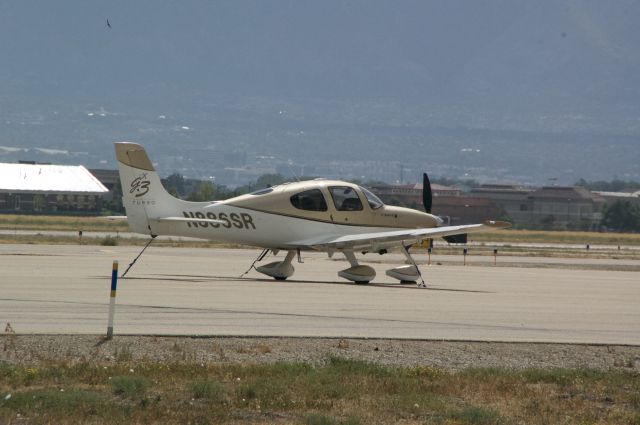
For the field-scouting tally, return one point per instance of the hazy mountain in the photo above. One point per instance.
(514, 90)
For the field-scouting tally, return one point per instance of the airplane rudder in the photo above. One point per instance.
(133, 155)
(141, 184)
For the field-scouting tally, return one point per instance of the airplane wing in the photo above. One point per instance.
(382, 240)
(112, 217)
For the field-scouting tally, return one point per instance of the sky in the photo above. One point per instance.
(566, 66)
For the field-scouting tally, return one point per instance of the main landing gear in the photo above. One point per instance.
(364, 274)
(358, 273)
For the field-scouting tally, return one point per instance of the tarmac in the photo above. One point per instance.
(64, 289)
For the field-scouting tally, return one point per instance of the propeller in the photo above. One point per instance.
(427, 201)
(427, 196)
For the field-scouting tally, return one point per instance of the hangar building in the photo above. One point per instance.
(49, 189)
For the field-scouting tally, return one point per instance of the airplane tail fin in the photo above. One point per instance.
(143, 195)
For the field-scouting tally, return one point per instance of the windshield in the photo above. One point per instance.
(345, 198)
(262, 191)
(374, 201)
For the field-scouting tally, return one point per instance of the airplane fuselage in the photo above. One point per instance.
(271, 220)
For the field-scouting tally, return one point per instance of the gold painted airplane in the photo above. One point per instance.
(321, 215)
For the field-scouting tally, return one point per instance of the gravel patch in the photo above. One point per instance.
(449, 355)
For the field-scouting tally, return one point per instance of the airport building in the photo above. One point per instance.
(448, 202)
(411, 194)
(550, 207)
(28, 187)
(110, 179)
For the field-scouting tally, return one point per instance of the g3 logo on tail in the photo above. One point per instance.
(140, 185)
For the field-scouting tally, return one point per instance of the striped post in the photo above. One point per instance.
(112, 300)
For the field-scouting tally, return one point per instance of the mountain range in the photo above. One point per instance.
(509, 91)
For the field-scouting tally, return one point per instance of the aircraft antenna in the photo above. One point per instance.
(292, 172)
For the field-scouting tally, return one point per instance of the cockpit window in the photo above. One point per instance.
(345, 198)
(374, 201)
(309, 200)
(262, 191)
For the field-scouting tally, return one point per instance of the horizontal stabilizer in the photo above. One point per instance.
(462, 238)
(189, 220)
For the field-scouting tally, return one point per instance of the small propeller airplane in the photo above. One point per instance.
(320, 215)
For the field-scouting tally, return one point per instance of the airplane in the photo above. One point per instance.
(331, 216)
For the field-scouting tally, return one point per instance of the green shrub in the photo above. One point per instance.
(476, 415)
(318, 419)
(109, 241)
(210, 390)
(56, 403)
(129, 386)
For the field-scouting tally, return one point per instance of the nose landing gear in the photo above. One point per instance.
(279, 270)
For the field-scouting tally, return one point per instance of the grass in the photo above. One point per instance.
(212, 391)
(97, 224)
(109, 241)
(129, 386)
(46, 222)
(564, 237)
(339, 392)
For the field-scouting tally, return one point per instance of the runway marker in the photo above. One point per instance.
(112, 300)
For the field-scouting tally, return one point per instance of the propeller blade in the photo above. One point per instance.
(427, 196)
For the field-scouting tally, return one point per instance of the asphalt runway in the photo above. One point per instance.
(184, 291)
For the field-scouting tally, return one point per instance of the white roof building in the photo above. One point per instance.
(611, 197)
(41, 178)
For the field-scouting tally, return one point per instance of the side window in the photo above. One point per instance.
(345, 198)
(309, 200)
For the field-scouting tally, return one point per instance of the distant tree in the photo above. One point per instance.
(621, 216)
(463, 184)
(611, 186)
(548, 222)
(203, 192)
(223, 192)
(115, 204)
(268, 180)
(173, 192)
(175, 184)
(370, 183)
(503, 216)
